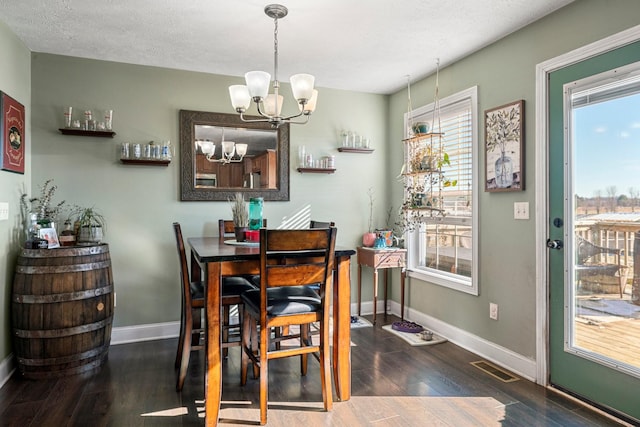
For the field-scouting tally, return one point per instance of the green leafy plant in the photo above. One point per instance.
(91, 224)
(239, 210)
(89, 217)
(42, 206)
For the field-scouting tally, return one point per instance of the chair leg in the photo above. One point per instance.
(325, 369)
(180, 338)
(304, 341)
(196, 315)
(254, 345)
(186, 353)
(225, 328)
(264, 373)
(245, 347)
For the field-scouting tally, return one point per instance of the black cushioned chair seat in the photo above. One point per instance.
(230, 286)
(284, 300)
(236, 285)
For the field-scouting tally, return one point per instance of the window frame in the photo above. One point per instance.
(412, 238)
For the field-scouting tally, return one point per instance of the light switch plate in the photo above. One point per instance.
(4, 211)
(521, 210)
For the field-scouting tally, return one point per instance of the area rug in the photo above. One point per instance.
(358, 322)
(414, 339)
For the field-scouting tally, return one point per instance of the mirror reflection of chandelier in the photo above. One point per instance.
(257, 88)
(229, 150)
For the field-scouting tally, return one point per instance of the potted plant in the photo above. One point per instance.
(90, 225)
(240, 216)
(43, 206)
(369, 238)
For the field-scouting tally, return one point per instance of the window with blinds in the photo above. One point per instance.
(444, 250)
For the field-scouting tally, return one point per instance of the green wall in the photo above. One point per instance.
(15, 72)
(140, 202)
(505, 72)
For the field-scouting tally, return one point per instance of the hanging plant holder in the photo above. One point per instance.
(422, 173)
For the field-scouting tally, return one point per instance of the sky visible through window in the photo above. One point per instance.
(607, 147)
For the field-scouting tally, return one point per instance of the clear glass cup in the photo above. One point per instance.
(108, 119)
(67, 116)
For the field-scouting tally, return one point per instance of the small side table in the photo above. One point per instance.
(381, 258)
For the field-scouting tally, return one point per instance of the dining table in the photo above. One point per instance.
(212, 259)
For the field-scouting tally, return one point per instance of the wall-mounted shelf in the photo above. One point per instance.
(316, 170)
(355, 150)
(149, 162)
(81, 132)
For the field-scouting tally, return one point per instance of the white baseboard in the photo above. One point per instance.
(499, 355)
(149, 332)
(7, 366)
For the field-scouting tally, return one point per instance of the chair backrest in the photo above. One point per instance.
(310, 255)
(184, 267)
(226, 229)
(320, 224)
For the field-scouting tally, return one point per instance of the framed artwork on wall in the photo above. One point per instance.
(504, 147)
(12, 128)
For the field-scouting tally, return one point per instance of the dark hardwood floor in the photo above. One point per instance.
(393, 384)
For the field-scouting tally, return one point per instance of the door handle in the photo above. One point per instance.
(555, 244)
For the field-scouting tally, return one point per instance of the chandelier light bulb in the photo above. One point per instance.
(302, 87)
(240, 98)
(258, 84)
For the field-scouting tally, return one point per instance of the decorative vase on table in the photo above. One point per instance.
(504, 171)
(368, 239)
(387, 235)
(255, 213)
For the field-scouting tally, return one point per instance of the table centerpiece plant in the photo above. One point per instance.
(240, 215)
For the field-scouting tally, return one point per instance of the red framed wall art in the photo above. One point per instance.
(12, 130)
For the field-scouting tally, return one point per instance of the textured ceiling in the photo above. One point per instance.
(359, 45)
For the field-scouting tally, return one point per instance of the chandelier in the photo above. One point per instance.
(229, 150)
(257, 87)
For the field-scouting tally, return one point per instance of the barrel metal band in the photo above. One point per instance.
(65, 332)
(66, 252)
(62, 297)
(61, 360)
(71, 268)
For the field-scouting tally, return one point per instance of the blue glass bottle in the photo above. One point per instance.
(255, 213)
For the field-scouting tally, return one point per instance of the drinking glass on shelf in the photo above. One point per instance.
(302, 155)
(108, 119)
(67, 116)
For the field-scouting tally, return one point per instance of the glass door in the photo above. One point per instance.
(594, 205)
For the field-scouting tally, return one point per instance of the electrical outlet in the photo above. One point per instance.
(521, 210)
(493, 310)
(4, 211)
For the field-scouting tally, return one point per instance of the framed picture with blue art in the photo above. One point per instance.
(504, 147)
(12, 131)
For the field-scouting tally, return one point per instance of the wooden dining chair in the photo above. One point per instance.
(191, 331)
(226, 231)
(321, 224)
(286, 298)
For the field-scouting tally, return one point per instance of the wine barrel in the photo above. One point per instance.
(62, 310)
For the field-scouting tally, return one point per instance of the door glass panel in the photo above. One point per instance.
(603, 312)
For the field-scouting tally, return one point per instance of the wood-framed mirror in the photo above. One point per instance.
(206, 174)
